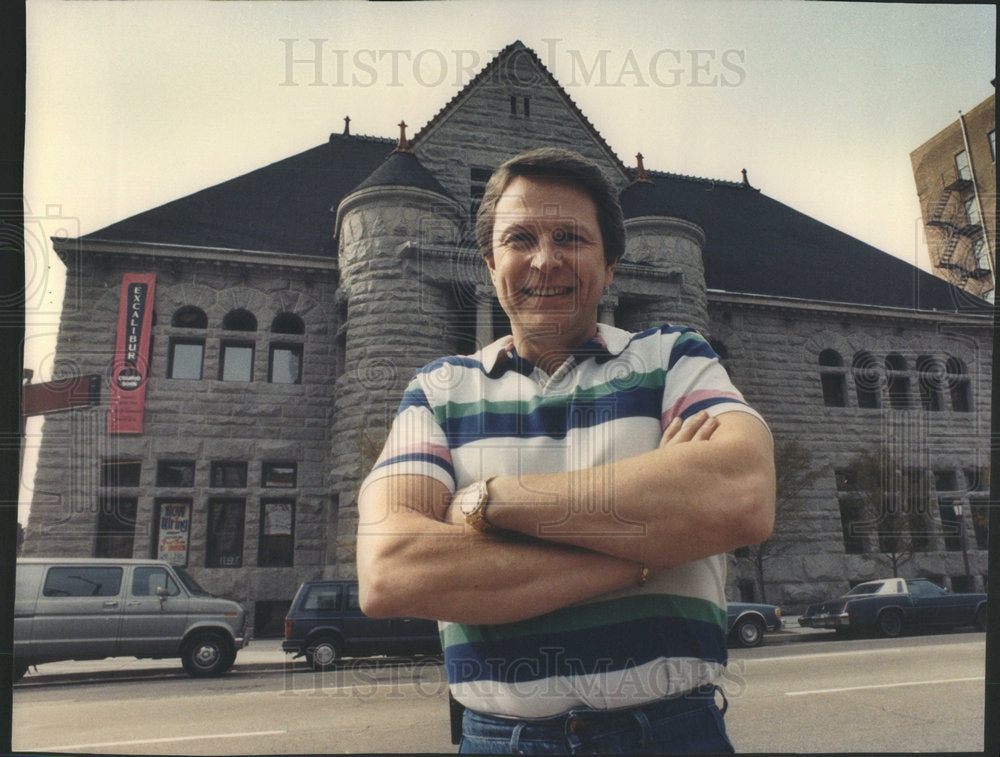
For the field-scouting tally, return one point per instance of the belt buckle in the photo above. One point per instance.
(577, 724)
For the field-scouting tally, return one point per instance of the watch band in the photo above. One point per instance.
(476, 518)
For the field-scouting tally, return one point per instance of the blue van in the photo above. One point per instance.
(325, 623)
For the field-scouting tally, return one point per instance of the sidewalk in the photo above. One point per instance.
(263, 655)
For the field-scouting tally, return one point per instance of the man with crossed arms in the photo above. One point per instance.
(562, 500)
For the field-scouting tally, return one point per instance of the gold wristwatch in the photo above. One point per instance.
(473, 500)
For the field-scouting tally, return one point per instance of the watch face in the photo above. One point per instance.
(470, 497)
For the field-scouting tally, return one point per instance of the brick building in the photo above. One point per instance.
(288, 308)
(956, 176)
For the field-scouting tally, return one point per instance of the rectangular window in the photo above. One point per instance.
(972, 212)
(83, 581)
(992, 137)
(229, 475)
(236, 362)
(962, 166)
(224, 547)
(120, 473)
(323, 597)
(980, 507)
(173, 531)
(147, 580)
(186, 357)
(175, 473)
(277, 532)
(834, 388)
(285, 364)
(279, 475)
(116, 527)
(951, 524)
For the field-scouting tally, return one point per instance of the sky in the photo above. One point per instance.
(133, 104)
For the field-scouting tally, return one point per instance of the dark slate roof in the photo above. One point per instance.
(754, 244)
(402, 169)
(757, 245)
(285, 207)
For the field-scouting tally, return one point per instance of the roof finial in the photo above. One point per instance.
(347, 126)
(746, 181)
(640, 171)
(403, 144)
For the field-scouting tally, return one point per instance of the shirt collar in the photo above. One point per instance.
(609, 342)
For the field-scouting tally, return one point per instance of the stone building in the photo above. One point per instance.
(290, 306)
(956, 176)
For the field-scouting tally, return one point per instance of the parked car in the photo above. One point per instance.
(892, 605)
(748, 621)
(325, 623)
(91, 608)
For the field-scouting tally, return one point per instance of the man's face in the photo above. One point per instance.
(547, 264)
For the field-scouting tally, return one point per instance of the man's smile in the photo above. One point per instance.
(546, 291)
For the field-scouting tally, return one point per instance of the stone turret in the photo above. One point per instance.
(656, 238)
(393, 319)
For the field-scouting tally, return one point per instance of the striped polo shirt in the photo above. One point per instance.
(494, 413)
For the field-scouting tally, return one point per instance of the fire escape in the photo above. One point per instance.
(962, 233)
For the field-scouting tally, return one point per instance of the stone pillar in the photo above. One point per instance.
(396, 322)
(674, 245)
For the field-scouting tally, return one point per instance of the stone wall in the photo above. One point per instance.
(195, 420)
(773, 357)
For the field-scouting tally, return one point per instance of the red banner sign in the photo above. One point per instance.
(131, 364)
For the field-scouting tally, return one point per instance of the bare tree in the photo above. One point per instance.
(894, 502)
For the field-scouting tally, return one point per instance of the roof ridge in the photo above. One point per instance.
(509, 50)
(368, 137)
(689, 177)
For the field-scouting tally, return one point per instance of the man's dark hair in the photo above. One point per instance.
(565, 166)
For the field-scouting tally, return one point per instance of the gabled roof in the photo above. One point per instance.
(500, 60)
(757, 245)
(286, 207)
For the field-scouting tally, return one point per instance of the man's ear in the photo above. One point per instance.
(609, 273)
(490, 263)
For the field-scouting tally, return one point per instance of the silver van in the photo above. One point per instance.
(92, 608)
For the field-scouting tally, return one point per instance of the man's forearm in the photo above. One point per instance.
(412, 564)
(670, 506)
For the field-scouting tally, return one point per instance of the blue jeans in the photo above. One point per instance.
(690, 724)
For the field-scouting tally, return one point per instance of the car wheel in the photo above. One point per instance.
(981, 618)
(20, 669)
(889, 623)
(207, 654)
(748, 632)
(323, 652)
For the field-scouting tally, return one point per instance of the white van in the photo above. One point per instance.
(92, 608)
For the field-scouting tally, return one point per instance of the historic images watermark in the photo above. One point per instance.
(319, 62)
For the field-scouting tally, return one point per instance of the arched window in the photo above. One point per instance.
(867, 380)
(239, 320)
(189, 317)
(833, 378)
(931, 382)
(287, 323)
(898, 381)
(187, 353)
(958, 385)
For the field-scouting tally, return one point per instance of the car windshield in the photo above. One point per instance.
(868, 588)
(190, 583)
